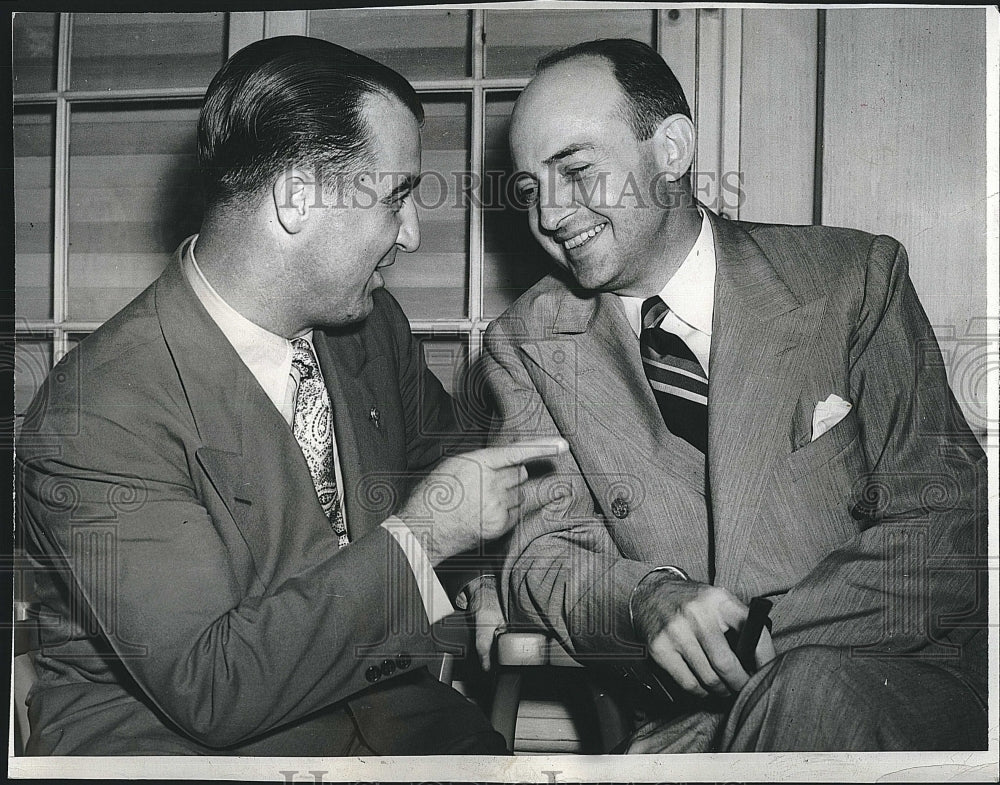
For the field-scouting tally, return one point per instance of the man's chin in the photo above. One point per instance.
(589, 277)
(350, 317)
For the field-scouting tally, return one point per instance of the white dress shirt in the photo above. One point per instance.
(269, 358)
(690, 296)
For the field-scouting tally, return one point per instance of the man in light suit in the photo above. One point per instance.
(225, 488)
(752, 411)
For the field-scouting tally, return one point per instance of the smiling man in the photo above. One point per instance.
(752, 411)
(227, 488)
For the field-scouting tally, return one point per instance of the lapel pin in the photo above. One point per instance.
(373, 415)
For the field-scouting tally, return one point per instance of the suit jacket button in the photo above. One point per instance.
(373, 674)
(388, 667)
(620, 508)
(403, 661)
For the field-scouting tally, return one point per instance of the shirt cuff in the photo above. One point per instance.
(465, 594)
(432, 593)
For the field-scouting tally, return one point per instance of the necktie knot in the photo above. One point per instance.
(303, 359)
(653, 311)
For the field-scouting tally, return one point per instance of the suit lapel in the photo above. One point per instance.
(590, 375)
(248, 451)
(345, 364)
(760, 339)
(612, 391)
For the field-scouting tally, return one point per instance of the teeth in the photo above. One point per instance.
(583, 237)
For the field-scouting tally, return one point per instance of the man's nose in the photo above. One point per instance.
(409, 230)
(554, 207)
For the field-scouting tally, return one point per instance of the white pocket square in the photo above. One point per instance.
(828, 413)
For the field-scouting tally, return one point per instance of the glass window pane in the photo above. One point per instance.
(431, 283)
(134, 195)
(34, 147)
(446, 356)
(418, 44)
(512, 260)
(32, 362)
(73, 340)
(515, 40)
(146, 50)
(34, 55)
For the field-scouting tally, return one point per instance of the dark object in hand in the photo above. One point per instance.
(658, 694)
(745, 643)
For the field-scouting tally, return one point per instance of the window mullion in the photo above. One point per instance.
(476, 164)
(60, 191)
(60, 344)
(243, 28)
(285, 23)
(475, 342)
(63, 53)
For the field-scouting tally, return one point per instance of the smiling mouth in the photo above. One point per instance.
(583, 238)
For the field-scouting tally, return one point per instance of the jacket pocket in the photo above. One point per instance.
(842, 437)
(826, 477)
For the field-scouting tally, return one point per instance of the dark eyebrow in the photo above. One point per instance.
(566, 152)
(404, 188)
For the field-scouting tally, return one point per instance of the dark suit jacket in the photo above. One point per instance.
(192, 593)
(873, 535)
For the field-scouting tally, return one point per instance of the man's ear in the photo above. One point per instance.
(292, 196)
(675, 144)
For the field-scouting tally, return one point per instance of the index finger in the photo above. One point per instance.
(519, 452)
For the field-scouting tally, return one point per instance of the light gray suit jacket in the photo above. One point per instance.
(872, 535)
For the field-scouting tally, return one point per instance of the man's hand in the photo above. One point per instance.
(475, 496)
(487, 616)
(683, 624)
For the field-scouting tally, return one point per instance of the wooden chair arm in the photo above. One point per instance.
(531, 647)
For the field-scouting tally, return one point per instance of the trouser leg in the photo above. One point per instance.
(418, 715)
(819, 698)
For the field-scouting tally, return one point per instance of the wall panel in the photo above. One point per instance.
(905, 155)
(778, 115)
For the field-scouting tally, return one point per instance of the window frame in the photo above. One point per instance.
(707, 44)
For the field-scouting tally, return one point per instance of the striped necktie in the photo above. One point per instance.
(312, 426)
(679, 383)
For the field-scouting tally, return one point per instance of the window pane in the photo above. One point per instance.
(146, 50)
(34, 56)
(516, 39)
(34, 146)
(512, 260)
(418, 44)
(446, 356)
(134, 195)
(73, 340)
(432, 282)
(32, 362)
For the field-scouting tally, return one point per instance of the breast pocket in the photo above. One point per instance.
(827, 448)
(827, 475)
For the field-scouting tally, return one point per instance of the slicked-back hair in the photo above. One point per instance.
(652, 91)
(289, 101)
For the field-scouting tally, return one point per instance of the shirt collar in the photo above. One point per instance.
(690, 292)
(267, 355)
